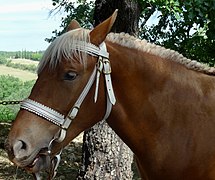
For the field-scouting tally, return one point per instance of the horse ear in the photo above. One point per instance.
(99, 33)
(73, 25)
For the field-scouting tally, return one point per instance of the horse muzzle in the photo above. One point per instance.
(34, 162)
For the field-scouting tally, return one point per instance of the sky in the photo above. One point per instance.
(24, 24)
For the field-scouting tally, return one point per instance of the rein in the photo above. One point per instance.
(102, 67)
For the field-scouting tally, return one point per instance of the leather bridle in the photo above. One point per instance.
(102, 67)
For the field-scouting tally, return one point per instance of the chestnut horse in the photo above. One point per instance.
(163, 104)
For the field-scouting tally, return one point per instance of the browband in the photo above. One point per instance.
(90, 48)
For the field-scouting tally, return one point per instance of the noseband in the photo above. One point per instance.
(102, 67)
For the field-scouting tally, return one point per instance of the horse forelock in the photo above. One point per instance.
(129, 41)
(63, 48)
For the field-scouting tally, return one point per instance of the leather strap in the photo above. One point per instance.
(109, 87)
(74, 111)
(99, 71)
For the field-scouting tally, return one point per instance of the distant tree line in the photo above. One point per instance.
(35, 56)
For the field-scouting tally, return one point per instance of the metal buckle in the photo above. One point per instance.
(107, 67)
(73, 113)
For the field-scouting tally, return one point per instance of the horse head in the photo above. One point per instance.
(51, 116)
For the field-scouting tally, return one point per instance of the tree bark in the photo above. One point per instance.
(105, 156)
(128, 14)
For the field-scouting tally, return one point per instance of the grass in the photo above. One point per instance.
(23, 75)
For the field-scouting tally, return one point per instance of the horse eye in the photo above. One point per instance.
(70, 76)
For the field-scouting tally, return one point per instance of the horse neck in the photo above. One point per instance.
(135, 76)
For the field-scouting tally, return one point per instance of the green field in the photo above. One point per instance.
(23, 75)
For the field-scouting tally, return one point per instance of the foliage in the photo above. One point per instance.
(82, 10)
(185, 26)
(3, 60)
(12, 89)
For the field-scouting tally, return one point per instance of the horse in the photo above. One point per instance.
(159, 102)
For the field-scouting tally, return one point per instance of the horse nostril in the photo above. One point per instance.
(24, 145)
(18, 145)
(20, 148)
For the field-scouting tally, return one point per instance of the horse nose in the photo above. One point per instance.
(20, 149)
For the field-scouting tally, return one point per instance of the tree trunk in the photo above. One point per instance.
(105, 156)
(128, 14)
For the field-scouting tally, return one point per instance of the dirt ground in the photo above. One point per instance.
(68, 168)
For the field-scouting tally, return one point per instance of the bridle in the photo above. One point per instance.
(102, 67)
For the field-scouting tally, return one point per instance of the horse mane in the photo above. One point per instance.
(62, 47)
(129, 41)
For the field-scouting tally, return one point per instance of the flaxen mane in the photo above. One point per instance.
(132, 42)
(63, 46)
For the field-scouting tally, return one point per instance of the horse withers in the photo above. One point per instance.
(160, 103)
